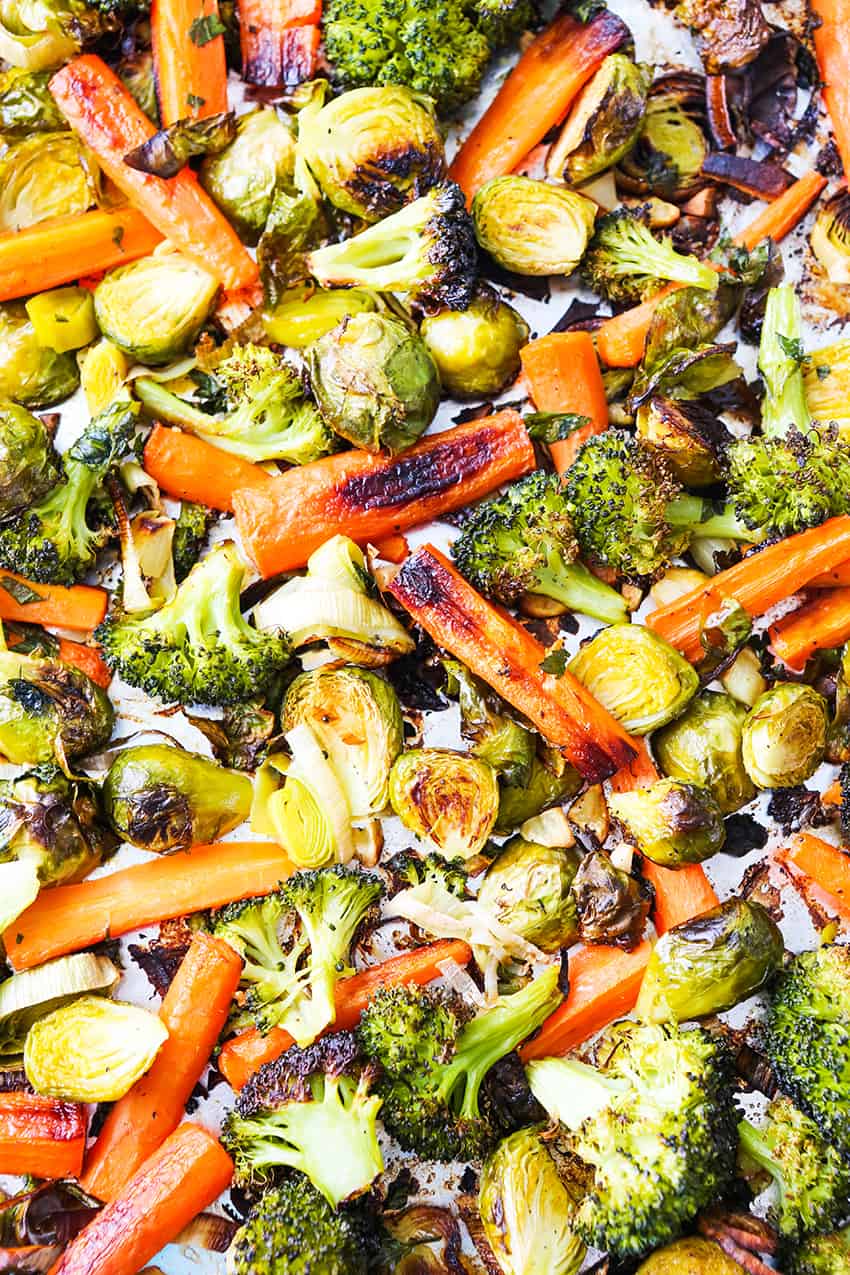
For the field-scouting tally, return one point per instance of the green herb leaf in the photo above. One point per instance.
(205, 29)
(551, 427)
(20, 591)
(555, 662)
(792, 347)
(823, 371)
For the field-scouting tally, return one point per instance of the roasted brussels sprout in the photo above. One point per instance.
(708, 964)
(703, 747)
(54, 823)
(27, 105)
(527, 1209)
(169, 149)
(476, 350)
(37, 35)
(305, 314)
(49, 711)
(32, 994)
(669, 153)
(830, 239)
(28, 467)
(604, 122)
(356, 717)
(673, 823)
(373, 149)
(375, 382)
(550, 782)
(92, 1050)
(612, 905)
(136, 74)
(153, 309)
(449, 800)
(642, 680)
(690, 1257)
(531, 227)
(161, 797)
(46, 175)
(492, 734)
(242, 178)
(527, 888)
(30, 373)
(689, 436)
(784, 735)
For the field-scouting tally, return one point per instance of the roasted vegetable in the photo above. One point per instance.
(612, 905)
(31, 995)
(826, 375)
(153, 309)
(63, 318)
(30, 373)
(28, 466)
(39, 36)
(304, 314)
(241, 179)
(784, 736)
(626, 263)
(476, 350)
(272, 1237)
(779, 486)
(492, 734)
(780, 363)
(830, 238)
(669, 153)
(527, 888)
(310, 814)
(54, 823)
(692, 440)
(170, 149)
(704, 747)
(823, 1255)
(26, 104)
(449, 800)
(672, 823)
(550, 782)
(49, 711)
(604, 123)
(556, 225)
(642, 680)
(690, 1257)
(46, 175)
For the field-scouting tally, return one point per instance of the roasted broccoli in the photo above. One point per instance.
(807, 1037)
(54, 541)
(198, 648)
(780, 362)
(433, 1064)
(427, 250)
(655, 1120)
(190, 535)
(503, 21)
(824, 1255)
(784, 485)
(626, 263)
(295, 944)
(522, 541)
(408, 869)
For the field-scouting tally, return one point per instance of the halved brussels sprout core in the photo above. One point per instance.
(642, 680)
(242, 178)
(528, 889)
(673, 823)
(449, 800)
(476, 350)
(305, 314)
(603, 123)
(31, 995)
(32, 373)
(46, 175)
(703, 747)
(688, 437)
(784, 736)
(830, 239)
(531, 227)
(153, 309)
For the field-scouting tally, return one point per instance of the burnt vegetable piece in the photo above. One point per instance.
(54, 822)
(673, 823)
(556, 225)
(612, 905)
(164, 154)
(688, 435)
(49, 711)
(604, 122)
(728, 35)
(830, 238)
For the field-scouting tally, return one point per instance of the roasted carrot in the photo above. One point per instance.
(817, 626)
(604, 985)
(42, 1136)
(279, 39)
(638, 773)
(508, 658)
(837, 579)
(832, 22)
(86, 658)
(621, 340)
(782, 214)
(61, 249)
(758, 582)
(192, 469)
(194, 1010)
(190, 69)
(81, 606)
(181, 1178)
(70, 917)
(562, 374)
(368, 497)
(826, 865)
(100, 109)
(535, 96)
(244, 1054)
(393, 548)
(831, 796)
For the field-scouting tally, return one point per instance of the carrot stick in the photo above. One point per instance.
(638, 773)
(190, 71)
(393, 548)
(818, 626)
(604, 985)
(192, 469)
(758, 582)
(61, 249)
(508, 658)
(839, 578)
(832, 795)
(833, 57)
(279, 40)
(42, 1136)
(70, 917)
(194, 1010)
(86, 658)
(181, 1178)
(101, 110)
(562, 374)
(621, 340)
(244, 1054)
(784, 213)
(535, 96)
(369, 497)
(827, 866)
(81, 606)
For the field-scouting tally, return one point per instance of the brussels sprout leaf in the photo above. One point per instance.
(166, 152)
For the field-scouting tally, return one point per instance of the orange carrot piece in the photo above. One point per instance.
(86, 658)
(508, 658)
(562, 374)
(42, 1136)
(621, 339)
(194, 1010)
(369, 497)
(604, 985)
(827, 866)
(831, 796)
(638, 773)
(833, 58)
(191, 79)
(817, 626)
(192, 469)
(837, 579)
(81, 606)
(180, 1179)
(782, 214)
(61, 249)
(758, 582)
(279, 39)
(535, 96)
(393, 548)
(244, 1054)
(100, 109)
(70, 917)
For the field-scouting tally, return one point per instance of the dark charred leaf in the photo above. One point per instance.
(31, 639)
(612, 905)
(508, 1098)
(476, 413)
(241, 736)
(161, 958)
(729, 33)
(169, 150)
(743, 834)
(695, 235)
(772, 80)
(760, 178)
(418, 678)
(51, 1214)
(797, 808)
(828, 162)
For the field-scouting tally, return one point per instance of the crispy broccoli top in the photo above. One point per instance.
(626, 263)
(822, 1255)
(272, 1241)
(784, 485)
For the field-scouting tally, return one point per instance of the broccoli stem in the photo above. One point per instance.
(646, 255)
(690, 512)
(580, 590)
(162, 405)
(757, 1150)
(780, 356)
(571, 1091)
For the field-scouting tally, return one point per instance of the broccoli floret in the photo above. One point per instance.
(807, 1037)
(503, 21)
(780, 362)
(626, 263)
(434, 1065)
(784, 485)
(190, 536)
(54, 542)
(655, 1120)
(408, 869)
(824, 1255)
(198, 648)
(427, 250)
(522, 541)
(295, 944)
(266, 415)
(812, 1179)
(294, 1231)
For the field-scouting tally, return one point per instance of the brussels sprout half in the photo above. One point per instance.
(28, 468)
(673, 823)
(603, 123)
(703, 747)
(32, 994)
(550, 782)
(690, 1257)
(449, 800)
(26, 104)
(153, 309)
(531, 227)
(49, 711)
(641, 679)
(242, 178)
(667, 158)
(36, 35)
(689, 437)
(30, 373)
(476, 350)
(527, 889)
(303, 315)
(784, 735)
(46, 175)
(54, 823)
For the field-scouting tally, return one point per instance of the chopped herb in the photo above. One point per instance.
(823, 371)
(205, 29)
(550, 427)
(555, 662)
(195, 102)
(21, 592)
(792, 347)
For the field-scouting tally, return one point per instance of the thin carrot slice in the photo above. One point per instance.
(826, 865)
(782, 214)
(832, 22)
(831, 796)
(42, 1136)
(81, 606)
(192, 469)
(562, 374)
(190, 68)
(86, 658)
(393, 548)
(818, 626)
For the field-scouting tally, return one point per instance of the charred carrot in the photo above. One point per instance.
(190, 70)
(508, 658)
(818, 626)
(782, 214)
(100, 109)
(621, 340)
(181, 1178)
(81, 606)
(86, 658)
(562, 374)
(826, 865)
(244, 1054)
(758, 582)
(194, 1010)
(279, 39)
(604, 985)
(535, 96)
(70, 917)
(369, 497)
(638, 773)
(42, 1136)
(833, 58)
(192, 469)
